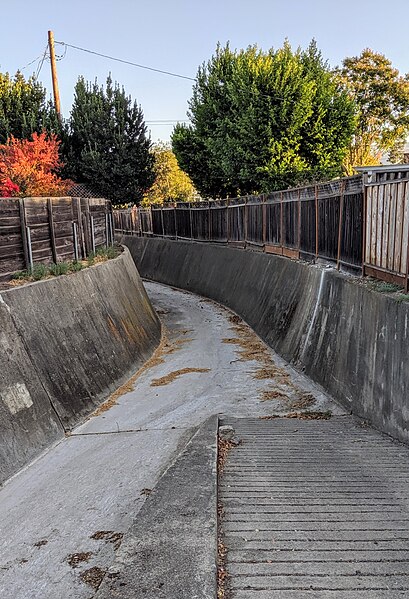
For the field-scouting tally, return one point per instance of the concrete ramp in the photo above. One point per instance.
(315, 509)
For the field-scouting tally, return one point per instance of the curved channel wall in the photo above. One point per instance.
(65, 345)
(349, 339)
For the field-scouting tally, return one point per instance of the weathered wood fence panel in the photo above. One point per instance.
(46, 230)
(358, 222)
(386, 251)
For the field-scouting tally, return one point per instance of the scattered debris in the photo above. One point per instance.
(76, 558)
(274, 394)
(223, 447)
(109, 536)
(41, 543)
(222, 575)
(165, 348)
(146, 492)
(306, 400)
(234, 319)
(172, 376)
(307, 415)
(93, 577)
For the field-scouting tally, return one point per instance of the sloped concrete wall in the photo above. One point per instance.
(353, 341)
(65, 344)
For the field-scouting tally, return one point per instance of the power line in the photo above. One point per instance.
(32, 62)
(134, 64)
(40, 66)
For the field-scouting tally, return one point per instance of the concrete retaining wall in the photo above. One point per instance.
(65, 344)
(351, 340)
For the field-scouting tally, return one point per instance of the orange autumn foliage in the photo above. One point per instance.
(32, 166)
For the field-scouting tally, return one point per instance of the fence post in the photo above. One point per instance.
(111, 227)
(161, 221)
(227, 220)
(299, 222)
(176, 221)
(23, 232)
(364, 222)
(341, 215)
(92, 233)
(246, 221)
(75, 239)
(316, 222)
(52, 232)
(191, 221)
(264, 220)
(281, 222)
(30, 251)
(407, 250)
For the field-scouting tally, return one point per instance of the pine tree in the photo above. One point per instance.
(105, 143)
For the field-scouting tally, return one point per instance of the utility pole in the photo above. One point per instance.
(54, 75)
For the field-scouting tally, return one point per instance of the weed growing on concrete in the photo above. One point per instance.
(382, 286)
(44, 271)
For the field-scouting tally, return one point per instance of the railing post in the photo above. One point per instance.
(281, 222)
(299, 222)
(30, 251)
(246, 221)
(264, 220)
(407, 248)
(227, 220)
(51, 226)
(23, 232)
(316, 222)
(341, 215)
(364, 223)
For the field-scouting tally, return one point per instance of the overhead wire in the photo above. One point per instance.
(40, 65)
(134, 64)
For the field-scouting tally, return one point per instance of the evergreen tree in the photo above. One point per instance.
(106, 143)
(264, 120)
(24, 109)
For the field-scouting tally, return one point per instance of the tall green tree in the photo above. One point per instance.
(381, 96)
(106, 143)
(24, 109)
(264, 120)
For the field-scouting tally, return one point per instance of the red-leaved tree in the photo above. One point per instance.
(28, 168)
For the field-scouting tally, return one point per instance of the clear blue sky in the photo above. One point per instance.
(179, 35)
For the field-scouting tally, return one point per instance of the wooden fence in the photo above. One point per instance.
(359, 222)
(319, 221)
(46, 230)
(386, 233)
